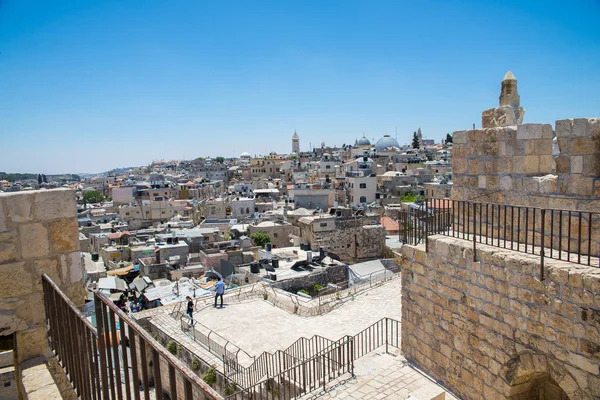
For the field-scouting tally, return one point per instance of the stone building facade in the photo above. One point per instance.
(490, 329)
(38, 234)
(352, 239)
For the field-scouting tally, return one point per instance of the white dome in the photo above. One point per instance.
(364, 142)
(385, 142)
(245, 155)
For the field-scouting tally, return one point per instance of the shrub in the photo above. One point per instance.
(265, 296)
(304, 291)
(318, 288)
(210, 376)
(195, 364)
(230, 389)
(172, 347)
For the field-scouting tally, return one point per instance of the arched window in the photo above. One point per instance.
(363, 199)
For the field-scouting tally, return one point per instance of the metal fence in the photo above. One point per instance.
(116, 358)
(314, 366)
(306, 376)
(550, 233)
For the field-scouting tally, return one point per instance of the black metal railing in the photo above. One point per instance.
(550, 233)
(114, 358)
(309, 364)
(305, 376)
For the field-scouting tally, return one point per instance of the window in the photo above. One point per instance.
(363, 185)
(126, 213)
(323, 224)
(363, 199)
(328, 167)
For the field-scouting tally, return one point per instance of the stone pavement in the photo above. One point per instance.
(257, 326)
(378, 376)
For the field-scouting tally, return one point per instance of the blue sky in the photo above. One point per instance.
(86, 86)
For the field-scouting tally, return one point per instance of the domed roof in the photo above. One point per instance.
(364, 142)
(245, 155)
(385, 142)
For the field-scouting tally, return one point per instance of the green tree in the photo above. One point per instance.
(415, 141)
(260, 238)
(219, 160)
(93, 196)
(448, 138)
(40, 180)
(408, 198)
(44, 179)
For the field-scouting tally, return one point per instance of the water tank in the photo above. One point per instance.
(275, 263)
(269, 246)
(309, 256)
(255, 268)
(321, 253)
(273, 277)
(94, 257)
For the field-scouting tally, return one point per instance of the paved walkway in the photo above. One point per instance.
(258, 326)
(379, 376)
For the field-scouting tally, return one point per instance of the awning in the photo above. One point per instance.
(120, 271)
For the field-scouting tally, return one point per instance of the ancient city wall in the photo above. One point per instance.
(38, 234)
(490, 329)
(514, 165)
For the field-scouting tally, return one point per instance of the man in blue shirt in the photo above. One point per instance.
(220, 286)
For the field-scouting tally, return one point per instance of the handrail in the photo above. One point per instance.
(110, 360)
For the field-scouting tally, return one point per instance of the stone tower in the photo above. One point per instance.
(509, 112)
(295, 143)
(420, 137)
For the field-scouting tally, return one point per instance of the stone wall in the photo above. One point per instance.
(38, 234)
(515, 165)
(490, 329)
(351, 239)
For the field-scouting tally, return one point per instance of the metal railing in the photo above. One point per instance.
(306, 376)
(550, 233)
(314, 369)
(116, 358)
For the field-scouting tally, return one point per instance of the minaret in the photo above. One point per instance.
(295, 143)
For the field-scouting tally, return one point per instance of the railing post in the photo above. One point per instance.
(426, 233)
(542, 244)
(474, 230)
(386, 336)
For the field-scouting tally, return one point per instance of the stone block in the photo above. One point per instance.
(547, 184)
(547, 134)
(584, 363)
(529, 131)
(16, 280)
(459, 137)
(577, 164)
(506, 183)
(3, 227)
(18, 207)
(54, 204)
(546, 164)
(584, 145)
(32, 343)
(34, 240)
(64, 235)
(498, 117)
(591, 165)
(482, 182)
(9, 249)
(32, 309)
(563, 128)
(579, 128)
(581, 185)
(11, 323)
(46, 266)
(563, 145)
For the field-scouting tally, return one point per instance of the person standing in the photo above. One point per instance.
(220, 286)
(190, 309)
